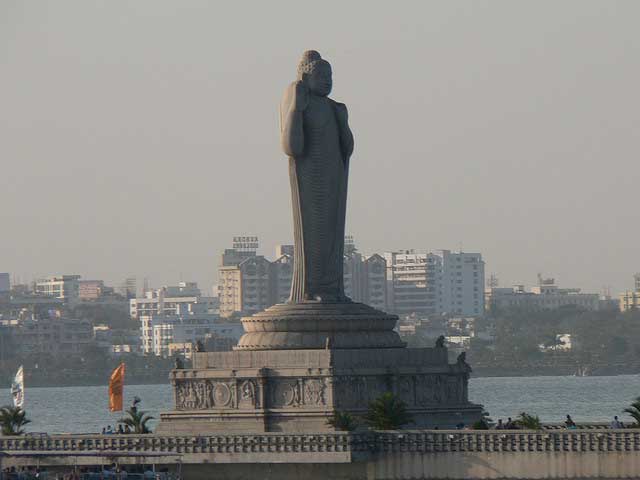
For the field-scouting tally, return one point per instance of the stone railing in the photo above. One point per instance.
(178, 445)
(426, 441)
(508, 441)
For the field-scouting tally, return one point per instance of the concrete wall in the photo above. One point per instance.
(503, 465)
(401, 455)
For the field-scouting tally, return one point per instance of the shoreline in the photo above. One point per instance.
(480, 372)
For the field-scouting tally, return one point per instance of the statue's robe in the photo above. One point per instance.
(319, 197)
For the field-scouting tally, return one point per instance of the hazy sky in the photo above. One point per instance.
(137, 137)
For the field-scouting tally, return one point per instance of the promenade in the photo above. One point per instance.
(521, 454)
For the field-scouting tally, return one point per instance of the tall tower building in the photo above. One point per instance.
(249, 283)
(438, 282)
(5, 283)
(462, 283)
(414, 282)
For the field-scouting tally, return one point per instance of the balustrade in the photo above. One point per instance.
(427, 441)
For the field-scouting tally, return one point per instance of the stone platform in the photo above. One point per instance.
(298, 390)
(314, 325)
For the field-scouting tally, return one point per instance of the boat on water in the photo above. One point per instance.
(582, 371)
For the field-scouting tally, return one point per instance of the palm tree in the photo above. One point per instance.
(12, 420)
(137, 419)
(634, 411)
(387, 412)
(342, 421)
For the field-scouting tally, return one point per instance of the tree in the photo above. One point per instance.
(483, 423)
(12, 420)
(387, 412)
(529, 422)
(342, 421)
(137, 419)
(634, 411)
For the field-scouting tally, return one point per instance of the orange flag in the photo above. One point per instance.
(116, 389)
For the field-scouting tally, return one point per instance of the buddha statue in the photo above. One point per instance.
(316, 137)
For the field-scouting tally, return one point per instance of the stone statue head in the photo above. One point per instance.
(315, 72)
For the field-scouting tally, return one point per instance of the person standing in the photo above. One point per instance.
(615, 423)
(569, 423)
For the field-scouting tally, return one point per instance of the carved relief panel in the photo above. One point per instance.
(204, 394)
(248, 395)
(297, 392)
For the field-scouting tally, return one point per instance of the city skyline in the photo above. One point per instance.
(521, 149)
(210, 286)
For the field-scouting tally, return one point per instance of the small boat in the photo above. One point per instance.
(582, 371)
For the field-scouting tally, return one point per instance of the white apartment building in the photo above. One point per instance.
(440, 282)
(546, 295)
(66, 287)
(462, 283)
(414, 282)
(160, 332)
(171, 300)
(630, 300)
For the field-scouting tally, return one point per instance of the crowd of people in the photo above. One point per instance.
(22, 473)
(108, 472)
(121, 430)
(511, 424)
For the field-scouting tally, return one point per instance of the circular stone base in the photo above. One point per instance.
(317, 325)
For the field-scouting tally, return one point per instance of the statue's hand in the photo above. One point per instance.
(341, 113)
(301, 96)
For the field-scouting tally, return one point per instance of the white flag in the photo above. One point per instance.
(17, 389)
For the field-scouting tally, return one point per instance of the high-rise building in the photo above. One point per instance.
(128, 288)
(66, 287)
(375, 282)
(414, 282)
(90, 289)
(282, 274)
(440, 282)
(254, 284)
(284, 250)
(244, 247)
(184, 297)
(365, 279)
(249, 283)
(630, 300)
(245, 288)
(462, 283)
(5, 283)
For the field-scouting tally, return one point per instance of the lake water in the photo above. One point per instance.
(586, 399)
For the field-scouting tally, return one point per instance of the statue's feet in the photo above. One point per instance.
(327, 298)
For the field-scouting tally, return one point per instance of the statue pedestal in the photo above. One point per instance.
(299, 390)
(316, 325)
